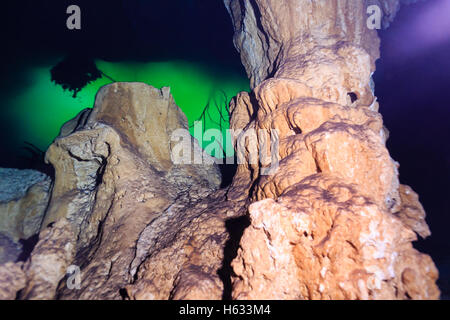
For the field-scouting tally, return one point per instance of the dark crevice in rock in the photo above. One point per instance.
(124, 294)
(27, 246)
(235, 227)
(297, 130)
(18, 295)
(100, 172)
(254, 102)
(85, 254)
(353, 97)
(228, 171)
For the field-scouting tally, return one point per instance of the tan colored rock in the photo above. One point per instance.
(116, 190)
(12, 280)
(126, 142)
(412, 213)
(49, 261)
(308, 114)
(145, 118)
(271, 35)
(23, 201)
(323, 240)
(187, 267)
(332, 222)
(294, 168)
(357, 155)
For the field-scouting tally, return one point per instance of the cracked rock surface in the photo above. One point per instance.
(326, 218)
(118, 202)
(333, 221)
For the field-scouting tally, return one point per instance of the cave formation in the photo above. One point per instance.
(332, 222)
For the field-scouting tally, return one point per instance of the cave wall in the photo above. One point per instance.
(333, 222)
(324, 217)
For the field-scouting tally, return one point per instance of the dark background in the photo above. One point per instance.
(412, 78)
(413, 88)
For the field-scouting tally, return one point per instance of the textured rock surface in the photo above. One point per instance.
(323, 240)
(15, 183)
(12, 280)
(9, 250)
(188, 268)
(271, 35)
(24, 196)
(118, 198)
(332, 222)
(412, 213)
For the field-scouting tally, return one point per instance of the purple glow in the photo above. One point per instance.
(428, 28)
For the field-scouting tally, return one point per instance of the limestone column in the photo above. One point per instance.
(333, 221)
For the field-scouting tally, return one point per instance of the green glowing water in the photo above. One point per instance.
(42, 107)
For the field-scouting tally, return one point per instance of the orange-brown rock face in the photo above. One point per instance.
(140, 211)
(332, 222)
(130, 221)
(328, 216)
(121, 212)
(322, 240)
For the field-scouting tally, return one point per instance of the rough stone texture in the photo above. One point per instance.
(138, 225)
(332, 222)
(271, 35)
(412, 213)
(9, 250)
(24, 196)
(12, 280)
(187, 268)
(49, 261)
(323, 240)
(14, 183)
(118, 200)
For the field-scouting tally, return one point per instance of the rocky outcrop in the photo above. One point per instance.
(24, 196)
(314, 211)
(191, 267)
(322, 240)
(332, 222)
(271, 35)
(9, 250)
(119, 205)
(12, 280)
(131, 221)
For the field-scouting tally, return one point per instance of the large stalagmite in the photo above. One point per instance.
(325, 216)
(118, 201)
(333, 222)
